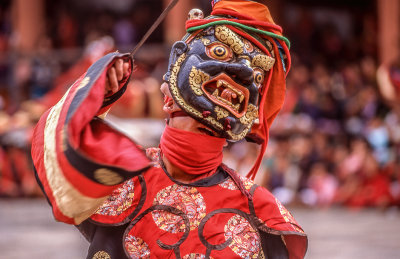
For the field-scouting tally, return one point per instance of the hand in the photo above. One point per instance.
(118, 71)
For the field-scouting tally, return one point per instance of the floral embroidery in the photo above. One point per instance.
(120, 200)
(246, 182)
(154, 154)
(136, 247)
(184, 198)
(230, 184)
(245, 240)
(287, 216)
(195, 256)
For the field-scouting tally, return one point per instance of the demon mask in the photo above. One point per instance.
(215, 76)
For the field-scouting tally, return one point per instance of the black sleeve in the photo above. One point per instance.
(87, 229)
(273, 246)
(104, 239)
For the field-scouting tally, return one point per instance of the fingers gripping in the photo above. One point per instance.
(117, 72)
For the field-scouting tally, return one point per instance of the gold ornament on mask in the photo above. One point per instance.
(221, 112)
(250, 116)
(205, 41)
(196, 79)
(263, 61)
(227, 36)
(240, 136)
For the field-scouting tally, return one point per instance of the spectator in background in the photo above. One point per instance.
(45, 69)
(321, 187)
(67, 30)
(16, 178)
(124, 33)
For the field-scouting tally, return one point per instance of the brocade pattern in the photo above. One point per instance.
(184, 198)
(287, 216)
(195, 256)
(245, 240)
(120, 200)
(136, 247)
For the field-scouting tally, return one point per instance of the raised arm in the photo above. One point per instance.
(79, 159)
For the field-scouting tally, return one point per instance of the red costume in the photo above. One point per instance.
(128, 205)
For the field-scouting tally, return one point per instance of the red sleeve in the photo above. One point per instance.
(278, 220)
(78, 157)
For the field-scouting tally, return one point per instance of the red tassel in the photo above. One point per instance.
(253, 172)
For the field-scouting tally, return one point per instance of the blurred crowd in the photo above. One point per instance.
(336, 141)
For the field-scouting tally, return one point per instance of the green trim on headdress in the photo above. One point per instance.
(245, 27)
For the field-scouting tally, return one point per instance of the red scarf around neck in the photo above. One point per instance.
(194, 153)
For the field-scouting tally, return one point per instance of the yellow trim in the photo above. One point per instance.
(68, 200)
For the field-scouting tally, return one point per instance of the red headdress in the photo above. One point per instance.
(252, 20)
